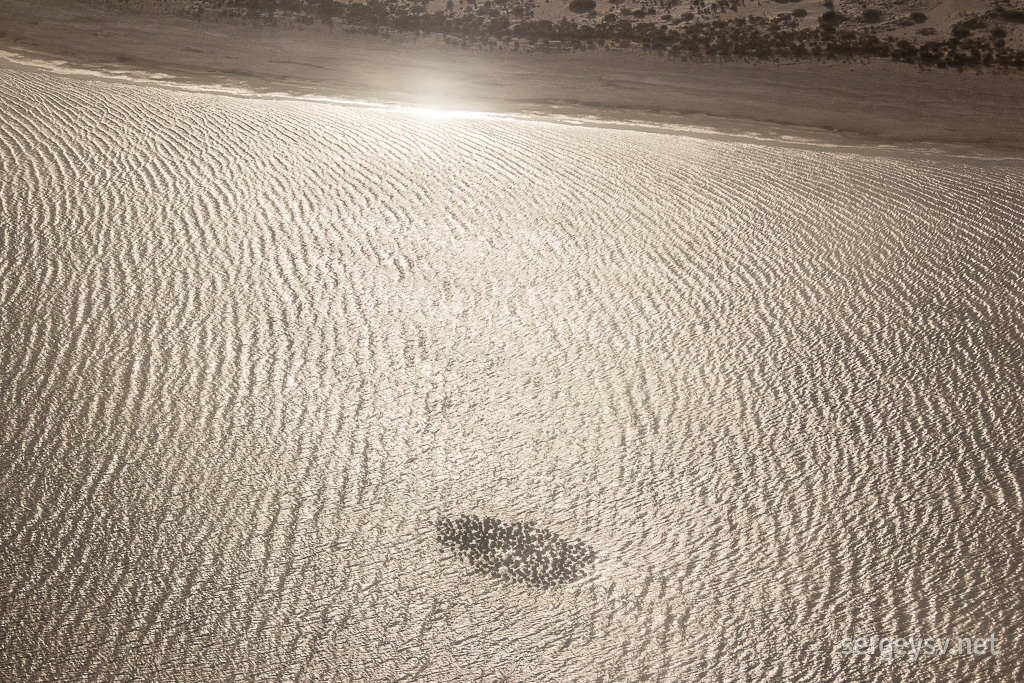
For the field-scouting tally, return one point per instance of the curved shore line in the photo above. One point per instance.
(838, 103)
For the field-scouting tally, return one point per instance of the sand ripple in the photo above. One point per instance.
(253, 350)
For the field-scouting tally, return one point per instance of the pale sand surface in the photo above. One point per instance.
(877, 101)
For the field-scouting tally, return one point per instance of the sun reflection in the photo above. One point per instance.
(430, 112)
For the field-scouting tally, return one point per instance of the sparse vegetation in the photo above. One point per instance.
(701, 34)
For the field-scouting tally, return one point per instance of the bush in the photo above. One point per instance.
(918, 17)
(799, 13)
(972, 23)
(872, 16)
(831, 18)
(582, 6)
(1012, 15)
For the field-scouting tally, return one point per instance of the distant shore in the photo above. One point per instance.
(875, 101)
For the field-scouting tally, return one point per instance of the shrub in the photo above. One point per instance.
(972, 23)
(1012, 15)
(581, 6)
(918, 17)
(799, 13)
(831, 18)
(872, 16)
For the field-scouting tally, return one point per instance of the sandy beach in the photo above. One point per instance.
(876, 101)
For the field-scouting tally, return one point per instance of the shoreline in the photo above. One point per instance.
(856, 104)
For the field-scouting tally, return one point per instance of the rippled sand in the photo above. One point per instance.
(253, 351)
